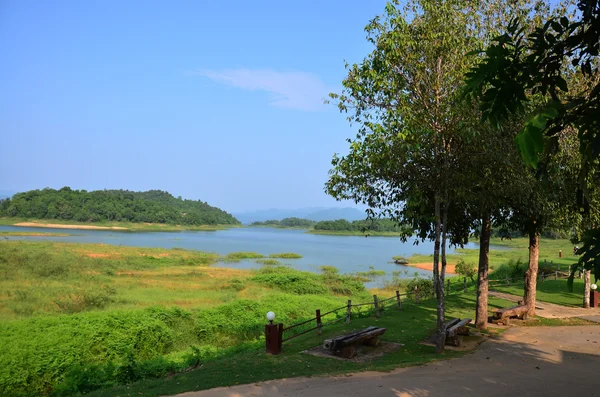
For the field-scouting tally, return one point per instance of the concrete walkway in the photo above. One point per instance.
(525, 361)
(551, 310)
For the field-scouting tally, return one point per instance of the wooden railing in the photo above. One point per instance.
(458, 286)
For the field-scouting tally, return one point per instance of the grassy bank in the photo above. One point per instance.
(551, 291)
(515, 249)
(32, 234)
(408, 327)
(67, 308)
(122, 226)
(353, 233)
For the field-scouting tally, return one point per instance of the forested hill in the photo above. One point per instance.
(153, 206)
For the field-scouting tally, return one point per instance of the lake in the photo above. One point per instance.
(348, 253)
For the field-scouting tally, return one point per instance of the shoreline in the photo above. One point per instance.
(450, 267)
(62, 226)
(111, 226)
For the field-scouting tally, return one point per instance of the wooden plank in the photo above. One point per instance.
(515, 311)
(353, 338)
(450, 323)
(458, 329)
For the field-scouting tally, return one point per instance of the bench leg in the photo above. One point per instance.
(347, 352)
(453, 341)
(463, 331)
(375, 342)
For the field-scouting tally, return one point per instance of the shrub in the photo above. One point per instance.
(329, 270)
(238, 256)
(286, 255)
(424, 286)
(296, 283)
(465, 269)
(514, 270)
(269, 262)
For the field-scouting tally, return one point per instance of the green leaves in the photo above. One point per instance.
(531, 139)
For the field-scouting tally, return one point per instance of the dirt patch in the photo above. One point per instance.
(61, 226)
(450, 267)
(467, 343)
(96, 255)
(365, 353)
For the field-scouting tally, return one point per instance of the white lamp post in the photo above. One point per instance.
(271, 317)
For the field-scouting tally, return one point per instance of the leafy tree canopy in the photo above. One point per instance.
(154, 206)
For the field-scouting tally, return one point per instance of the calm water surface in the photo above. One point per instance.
(348, 253)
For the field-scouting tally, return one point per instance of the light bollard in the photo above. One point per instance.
(273, 335)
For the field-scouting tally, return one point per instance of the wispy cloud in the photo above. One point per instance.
(292, 90)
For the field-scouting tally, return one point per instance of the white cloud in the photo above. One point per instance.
(292, 90)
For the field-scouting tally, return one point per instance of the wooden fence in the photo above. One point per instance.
(453, 285)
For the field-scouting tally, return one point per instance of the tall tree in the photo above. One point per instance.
(411, 143)
(520, 69)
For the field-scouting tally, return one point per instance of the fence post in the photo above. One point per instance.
(376, 303)
(465, 284)
(507, 281)
(542, 277)
(348, 313)
(319, 324)
(417, 294)
(556, 275)
(398, 299)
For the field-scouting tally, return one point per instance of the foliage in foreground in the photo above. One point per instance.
(409, 327)
(105, 332)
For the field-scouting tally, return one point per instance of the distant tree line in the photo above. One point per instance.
(286, 222)
(154, 206)
(375, 225)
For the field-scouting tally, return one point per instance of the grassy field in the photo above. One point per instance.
(409, 327)
(82, 305)
(551, 291)
(79, 317)
(126, 226)
(353, 233)
(32, 234)
(514, 249)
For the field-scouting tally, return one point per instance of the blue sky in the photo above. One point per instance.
(218, 101)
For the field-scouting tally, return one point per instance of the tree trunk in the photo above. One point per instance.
(532, 271)
(439, 288)
(586, 288)
(481, 315)
(441, 336)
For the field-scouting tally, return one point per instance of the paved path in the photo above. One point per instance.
(551, 310)
(525, 361)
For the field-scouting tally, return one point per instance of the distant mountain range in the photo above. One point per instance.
(316, 214)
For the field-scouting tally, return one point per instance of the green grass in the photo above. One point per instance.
(409, 327)
(286, 255)
(75, 317)
(518, 249)
(126, 226)
(269, 262)
(239, 256)
(69, 306)
(551, 291)
(353, 233)
(35, 234)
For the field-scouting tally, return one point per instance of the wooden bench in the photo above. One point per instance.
(504, 315)
(456, 328)
(345, 345)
